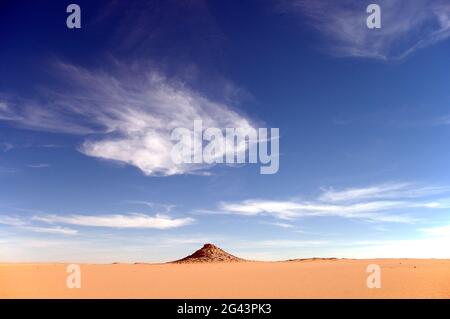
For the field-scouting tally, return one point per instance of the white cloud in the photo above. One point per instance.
(297, 209)
(385, 191)
(25, 225)
(118, 221)
(52, 230)
(11, 221)
(8, 170)
(443, 120)
(407, 25)
(284, 243)
(5, 147)
(350, 203)
(157, 207)
(278, 224)
(3, 106)
(39, 165)
(129, 115)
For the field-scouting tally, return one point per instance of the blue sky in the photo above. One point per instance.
(86, 115)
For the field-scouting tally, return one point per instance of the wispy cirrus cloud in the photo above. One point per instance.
(12, 221)
(160, 207)
(39, 165)
(118, 221)
(443, 120)
(51, 224)
(26, 225)
(279, 224)
(381, 203)
(297, 209)
(280, 243)
(5, 147)
(129, 115)
(407, 25)
(8, 170)
(52, 230)
(386, 191)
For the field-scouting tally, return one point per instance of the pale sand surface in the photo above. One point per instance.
(400, 278)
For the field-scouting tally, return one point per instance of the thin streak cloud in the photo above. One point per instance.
(407, 26)
(118, 221)
(389, 190)
(380, 203)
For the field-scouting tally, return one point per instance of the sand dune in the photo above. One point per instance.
(400, 278)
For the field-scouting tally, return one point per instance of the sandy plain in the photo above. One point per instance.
(341, 278)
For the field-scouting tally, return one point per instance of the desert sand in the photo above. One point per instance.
(311, 278)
